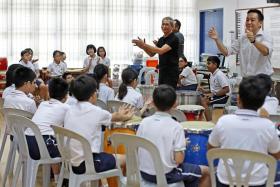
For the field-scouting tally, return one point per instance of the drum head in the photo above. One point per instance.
(197, 126)
(190, 108)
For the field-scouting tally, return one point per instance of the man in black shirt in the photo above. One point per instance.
(167, 49)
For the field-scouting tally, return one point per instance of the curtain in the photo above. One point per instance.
(70, 25)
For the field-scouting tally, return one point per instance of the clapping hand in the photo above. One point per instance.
(126, 112)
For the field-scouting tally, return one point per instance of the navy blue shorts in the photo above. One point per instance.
(219, 100)
(50, 142)
(188, 173)
(102, 162)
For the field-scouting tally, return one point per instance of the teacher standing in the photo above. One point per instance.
(167, 49)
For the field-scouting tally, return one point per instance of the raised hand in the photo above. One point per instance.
(139, 42)
(126, 112)
(212, 33)
(250, 35)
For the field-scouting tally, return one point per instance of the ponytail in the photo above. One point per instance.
(128, 76)
(122, 91)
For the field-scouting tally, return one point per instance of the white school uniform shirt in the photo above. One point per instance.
(105, 93)
(95, 61)
(132, 97)
(270, 105)
(105, 61)
(218, 80)
(71, 100)
(57, 69)
(19, 100)
(8, 90)
(28, 65)
(86, 119)
(252, 62)
(49, 113)
(189, 77)
(245, 130)
(168, 136)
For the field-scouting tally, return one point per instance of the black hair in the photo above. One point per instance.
(55, 52)
(90, 46)
(260, 14)
(251, 93)
(10, 73)
(62, 53)
(58, 88)
(164, 97)
(30, 50)
(184, 58)
(83, 87)
(23, 75)
(128, 76)
(266, 82)
(101, 47)
(214, 60)
(23, 52)
(177, 23)
(64, 75)
(99, 71)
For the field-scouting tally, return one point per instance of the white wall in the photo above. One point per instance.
(229, 7)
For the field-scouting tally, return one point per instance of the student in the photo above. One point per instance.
(25, 59)
(169, 137)
(187, 79)
(91, 60)
(10, 86)
(57, 68)
(86, 119)
(34, 62)
(105, 93)
(49, 113)
(24, 80)
(270, 105)
(63, 57)
(246, 130)
(219, 87)
(68, 77)
(127, 92)
(71, 100)
(101, 52)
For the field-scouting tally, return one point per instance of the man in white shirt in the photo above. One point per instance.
(169, 137)
(219, 87)
(57, 68)
(24, 80)
(246, 130)
(254, 48)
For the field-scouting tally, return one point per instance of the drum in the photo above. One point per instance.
(198, 133)
(187, 97)
(192, 112)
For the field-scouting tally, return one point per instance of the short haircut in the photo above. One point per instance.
(30, 50)
(214, 59)
(83, 87)
(260, 14)
(23, 75)
(251, 93)
(177, 23)
(66, 74)
(10, 72)
(90, 46)
(266, 82)
(58, 88)
(62, 53)
(171, 21)
(101, 47)
(164, 97)
(23, 52)
(56, 52)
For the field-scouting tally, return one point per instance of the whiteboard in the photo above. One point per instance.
(272, 27)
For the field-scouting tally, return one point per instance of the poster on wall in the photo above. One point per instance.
(272, 27)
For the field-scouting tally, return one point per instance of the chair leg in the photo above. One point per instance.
(9, 163)
(61, 175)
(73, 181)
(32, 168)
(3, 144)
(46, 175)
(13, 157)
(17, 172)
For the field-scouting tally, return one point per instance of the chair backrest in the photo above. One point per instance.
(18, 125)
(64, 138)
(178, 114)
(114, 106)
(239, 158)
(101, 104)
(132, 143)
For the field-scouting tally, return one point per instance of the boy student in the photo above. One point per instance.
(219, 87)
(49, 113)
(246, 130)
(270, 104)
(86, 119)
(169, 137)
(24, 80)
(58, 67)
